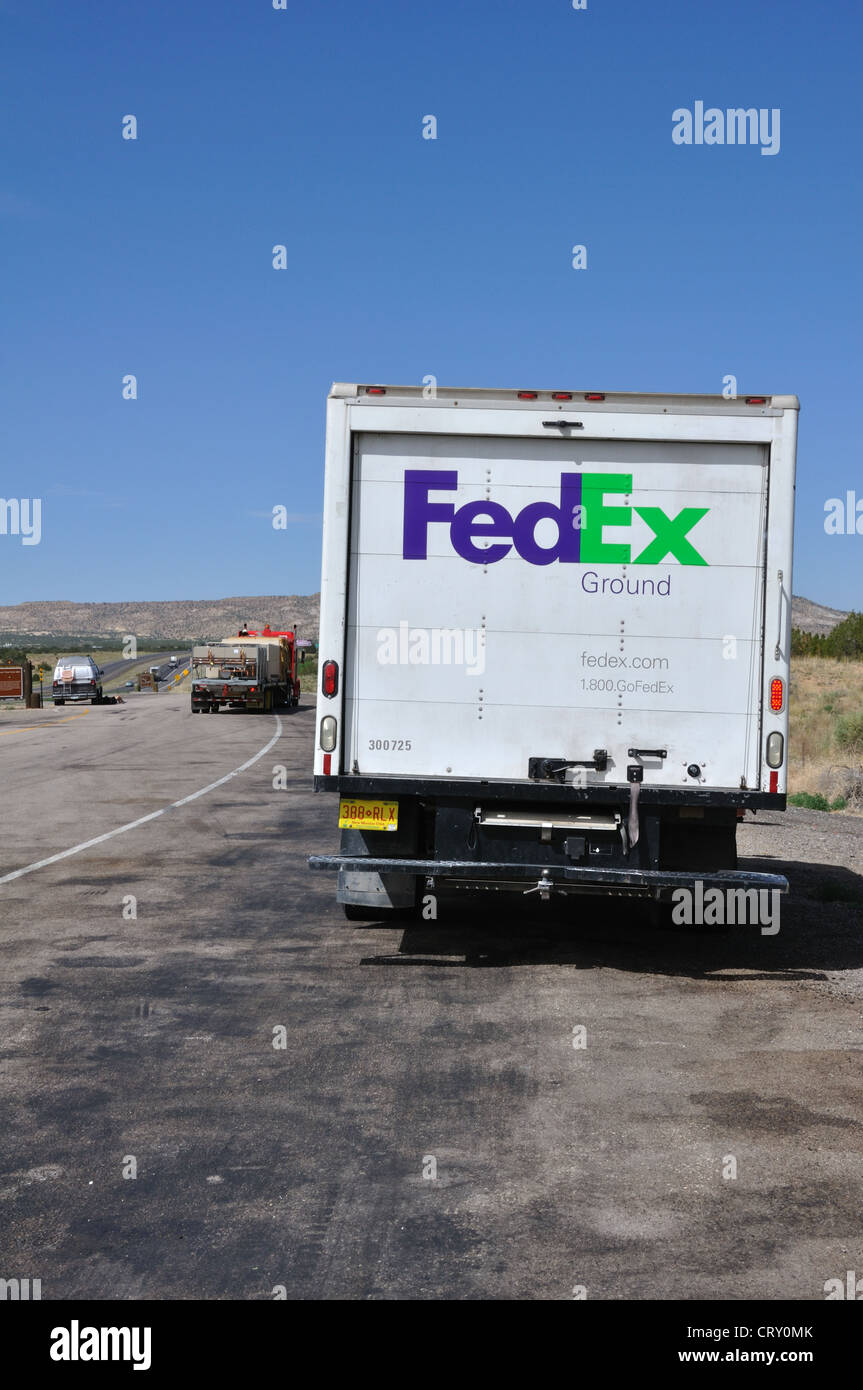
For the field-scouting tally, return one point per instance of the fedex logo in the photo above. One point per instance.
(581, 516)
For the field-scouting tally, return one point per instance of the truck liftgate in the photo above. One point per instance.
(535, 878)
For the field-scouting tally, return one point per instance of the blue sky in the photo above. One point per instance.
(405, 256)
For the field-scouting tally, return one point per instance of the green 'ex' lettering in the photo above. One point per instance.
(594, 550)
(670, 535)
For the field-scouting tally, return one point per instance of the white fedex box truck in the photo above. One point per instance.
(554, 641)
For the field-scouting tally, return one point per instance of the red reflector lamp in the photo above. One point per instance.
(376, 391)
(561, 395)
(528, 395)
(594, 395)
(774, 781)
(328, 759)
(756, 400)
(330, 678)
(777, 694)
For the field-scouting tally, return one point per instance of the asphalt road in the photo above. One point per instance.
(114, 669)
(161, 659)
(412, 1050)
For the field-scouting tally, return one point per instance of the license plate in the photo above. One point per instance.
(368, 815)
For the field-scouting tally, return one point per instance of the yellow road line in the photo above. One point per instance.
(35, 730)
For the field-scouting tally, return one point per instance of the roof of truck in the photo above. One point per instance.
(575, 399)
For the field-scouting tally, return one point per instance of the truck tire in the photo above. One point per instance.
(195, 709)
(59, 702)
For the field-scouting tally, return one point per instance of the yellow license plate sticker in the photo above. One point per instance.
(368, 815)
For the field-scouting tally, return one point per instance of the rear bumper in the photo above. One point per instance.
(638, 882)
(541, 793)
(240, 696)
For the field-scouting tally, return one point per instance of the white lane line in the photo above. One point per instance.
(133, 824)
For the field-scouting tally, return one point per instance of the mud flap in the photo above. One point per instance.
(381, 890)
(376, 890)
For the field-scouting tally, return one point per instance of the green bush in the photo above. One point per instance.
(809, 802)
(849, 731)
(814, 801)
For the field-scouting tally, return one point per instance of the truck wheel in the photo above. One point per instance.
(195, 709)
(214, 709)
(59, 702)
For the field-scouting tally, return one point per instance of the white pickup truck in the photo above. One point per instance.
(554, 641)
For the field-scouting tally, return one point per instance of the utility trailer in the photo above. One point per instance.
(554, 641)
(254, 670)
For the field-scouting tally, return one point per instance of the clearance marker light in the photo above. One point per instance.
(594, 395)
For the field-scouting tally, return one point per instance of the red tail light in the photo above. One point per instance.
(330, 678)
(777, 694)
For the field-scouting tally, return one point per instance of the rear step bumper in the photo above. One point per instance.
(645, 882)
